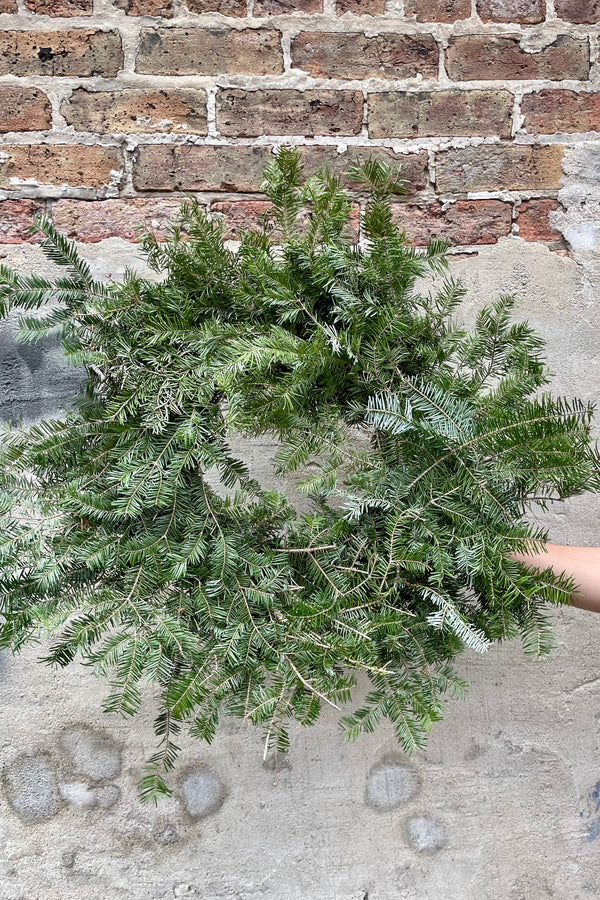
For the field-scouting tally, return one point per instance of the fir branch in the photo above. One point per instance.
(134, 538)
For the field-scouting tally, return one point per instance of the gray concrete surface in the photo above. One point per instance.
(503, 805)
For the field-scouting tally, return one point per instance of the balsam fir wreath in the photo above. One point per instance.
(428, 445)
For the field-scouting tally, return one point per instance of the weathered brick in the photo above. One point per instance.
(427, 114)
(199, 51)
(527, 12)
(582, 12)
(16, 216)
(360, 7)
(550, 111)
(438, 10)
(77, 51)
(8, 6)
(533, 220)
(242, 215)
(58, 164)
(182, 110)
(60, 7)
(23, 109)
(489, 167)
(465, 222)
(282, 7)
(225, 7)
(490, 57)
(239, 215)
(163, 167)
(253, 113)
(413, 166)
(95, 220)
(353, 55)
(162, 8)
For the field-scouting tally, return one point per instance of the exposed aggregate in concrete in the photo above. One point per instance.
(31, 788)
(202, 792)
(426, 835)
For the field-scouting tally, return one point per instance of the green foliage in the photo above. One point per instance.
(422, 448)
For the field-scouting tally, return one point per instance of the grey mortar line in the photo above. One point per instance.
(126, 188)
(364, 132)
(300, 81)
(517, 119)
(286, 49)
(69, 136)
(211, 111)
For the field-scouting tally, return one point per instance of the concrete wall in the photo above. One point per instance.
(504, 804)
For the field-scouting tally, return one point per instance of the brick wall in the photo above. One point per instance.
(111, 111)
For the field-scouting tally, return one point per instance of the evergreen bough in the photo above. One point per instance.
(424, 447)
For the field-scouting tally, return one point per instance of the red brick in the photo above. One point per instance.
(162, 8)
(413, 166)
(225, 7)
(182, 110)
(491, 167)
(485, 57)
(60, 7)
(533, 220)
(243, 215)
(164, 167)
(527, 12)
(438, 10)
(465, 222)
(239, 215)
(76, 51)
(8, 6)
(16, 216)
(95, 220)
(58, 164)
(254, 113)
(428, 114)
(360, 7)
(283, 7)
(352, 55)
(23, 109)
(582, 12)
(548, 112)
(215, 51)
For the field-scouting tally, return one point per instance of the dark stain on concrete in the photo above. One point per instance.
(277, 762)
(32, 355)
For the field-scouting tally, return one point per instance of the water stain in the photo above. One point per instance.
(92, 752)
(202, 792)
(426, 835)
(390, 784)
